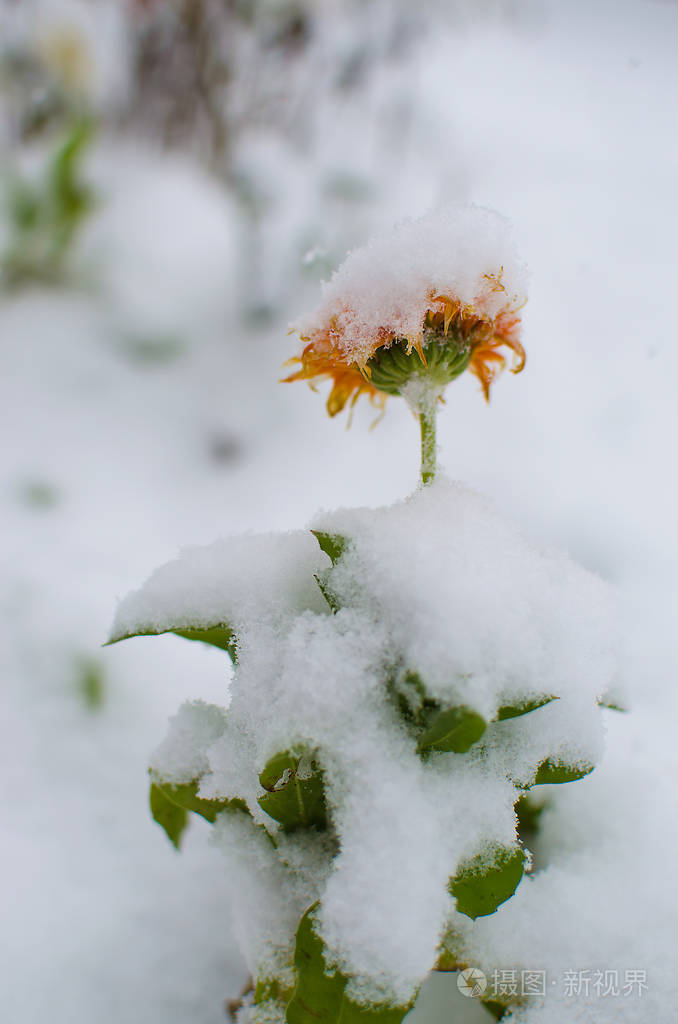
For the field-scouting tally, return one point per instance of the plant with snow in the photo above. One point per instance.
(44, 216)
(400, 318)
(402, 676)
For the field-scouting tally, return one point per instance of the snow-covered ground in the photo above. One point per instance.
(146, 415)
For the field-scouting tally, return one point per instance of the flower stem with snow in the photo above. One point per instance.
(429, 449)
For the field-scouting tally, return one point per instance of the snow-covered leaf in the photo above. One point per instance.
(524, 707)
(170, 805)
(319, 997)
(219, 635)
(333, 544)
(295, 794)
(452, 729)
(482, 884)
(552, 771)
(322, 579)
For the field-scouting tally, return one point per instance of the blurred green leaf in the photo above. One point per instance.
(92, 684)
(295, 794)
(46, 214)
(612, 705)
(71, 198)
(482, 884)
(23, 205)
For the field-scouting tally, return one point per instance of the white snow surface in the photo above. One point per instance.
(483, 616)
(461, 251)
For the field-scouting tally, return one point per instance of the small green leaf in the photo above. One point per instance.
(550, 771)
(170, 805)
(293, 801)
(523, 707)
(186, 795)
(333, 544)
(482, 884)
(409, 694)
(452, 729)
(612, 705)
(495, 1007)
(528, 812)
(92, 684)
(319, 997)
(219, 635)
(168, 815)
(70, 197)
(322, 579)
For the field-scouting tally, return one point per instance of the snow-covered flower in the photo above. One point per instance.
(430, 299)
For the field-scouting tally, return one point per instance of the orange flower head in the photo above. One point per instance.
(422, 304)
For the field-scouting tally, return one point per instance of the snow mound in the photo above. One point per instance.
(437, 588)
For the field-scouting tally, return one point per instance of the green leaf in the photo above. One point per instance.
(220, 635)
(495, 1007)
(71, 198)
(322, 579)
(293, 801)
(272, 990)
(451, 729)
(168, 815)
(612, 705)
(333, 544)
(523, 707)
(170, 805)
(409, 694)
(92, 684)
(482, 884)
(319, 997)
(550, 771)
(528, 812)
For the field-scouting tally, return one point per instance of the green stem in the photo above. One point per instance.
(429, 450)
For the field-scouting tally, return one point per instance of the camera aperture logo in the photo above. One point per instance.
(471, 982)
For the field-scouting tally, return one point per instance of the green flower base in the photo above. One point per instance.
(447, 356)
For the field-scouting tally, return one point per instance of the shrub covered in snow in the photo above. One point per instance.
(403, 677)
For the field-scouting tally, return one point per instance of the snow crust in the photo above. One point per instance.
(465, 252)
(439, 584)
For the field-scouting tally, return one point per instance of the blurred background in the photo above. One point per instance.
(177, 177)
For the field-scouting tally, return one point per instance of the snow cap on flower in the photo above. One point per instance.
(453, 274)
